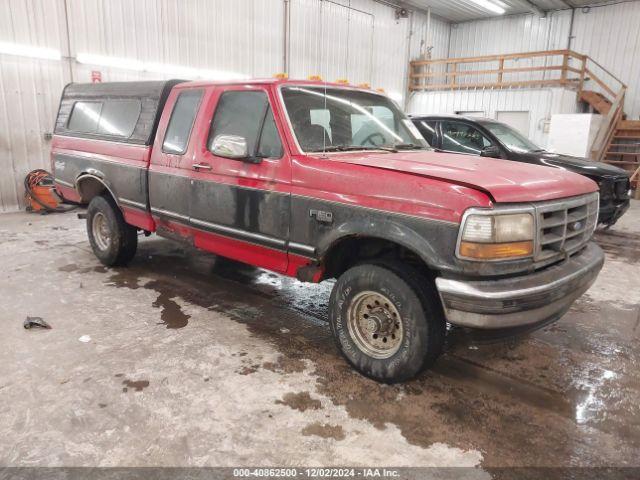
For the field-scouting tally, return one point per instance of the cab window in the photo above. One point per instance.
(463, 138)
(181, 122)
(247, 115)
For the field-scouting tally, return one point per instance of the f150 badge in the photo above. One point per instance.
(321, 216)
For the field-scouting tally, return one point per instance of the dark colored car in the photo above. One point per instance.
(489, 138)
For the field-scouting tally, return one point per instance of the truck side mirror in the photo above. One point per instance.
(230, 146)
(492, 151)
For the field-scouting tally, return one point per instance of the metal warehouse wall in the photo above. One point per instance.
(29, 91)
(361, 40)
(608, 33)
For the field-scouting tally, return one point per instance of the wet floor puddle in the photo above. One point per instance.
(508, 399)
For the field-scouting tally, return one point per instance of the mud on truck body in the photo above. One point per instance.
(321, 181)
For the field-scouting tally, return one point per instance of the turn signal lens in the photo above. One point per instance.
(496, 251)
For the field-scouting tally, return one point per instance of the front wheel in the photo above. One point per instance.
(387, 321)
(113, 240)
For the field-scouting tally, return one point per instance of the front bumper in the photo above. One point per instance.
(542, 296)
(610, 213)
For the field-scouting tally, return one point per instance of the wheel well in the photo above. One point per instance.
(351, 251)
(89, 186)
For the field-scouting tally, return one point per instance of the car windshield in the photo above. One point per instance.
(511, 138)
(341, 119)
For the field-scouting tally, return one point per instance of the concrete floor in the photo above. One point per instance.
(183, 360)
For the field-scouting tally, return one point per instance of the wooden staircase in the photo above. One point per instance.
(624, 148)
(598, 102)
(620, 144)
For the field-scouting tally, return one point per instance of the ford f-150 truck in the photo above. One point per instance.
(319, 181)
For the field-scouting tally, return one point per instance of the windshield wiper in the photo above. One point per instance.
(407, 146)
(349, 148)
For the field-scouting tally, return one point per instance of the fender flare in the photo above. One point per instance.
(393, 230)
(99, 177)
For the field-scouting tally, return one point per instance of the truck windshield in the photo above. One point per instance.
(341, 119)
(511, 138)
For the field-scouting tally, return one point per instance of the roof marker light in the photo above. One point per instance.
(316, 78)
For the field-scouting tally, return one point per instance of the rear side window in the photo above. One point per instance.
(85, 117)
(248, 115)
(184, 113)
(116, 118)
(119, 117)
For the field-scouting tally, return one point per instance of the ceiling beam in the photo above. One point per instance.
(532, 7)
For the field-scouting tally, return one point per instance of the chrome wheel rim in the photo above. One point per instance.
(101, 232)
(375, 324)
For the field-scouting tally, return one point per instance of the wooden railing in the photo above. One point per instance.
(549, 68)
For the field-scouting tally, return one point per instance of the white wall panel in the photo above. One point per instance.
(611, 36)
(361, 41)
(29, 92)
(235, 36)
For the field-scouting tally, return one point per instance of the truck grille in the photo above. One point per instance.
(565, 226)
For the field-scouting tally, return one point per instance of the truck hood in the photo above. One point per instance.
(504, 181)
(576, 164)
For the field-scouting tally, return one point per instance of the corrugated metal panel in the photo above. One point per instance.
(29, 92)
(610, 35)
(238, 36)
(331, 40)
(540, 103)
(361, 41)
(467, 10)
(430, 39)
(521, 33)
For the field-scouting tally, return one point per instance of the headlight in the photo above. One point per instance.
(496, 237)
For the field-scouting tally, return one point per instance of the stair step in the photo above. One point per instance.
(633, 144)
(597, 101)
(629, 125)
(635, 137)
(609, 152)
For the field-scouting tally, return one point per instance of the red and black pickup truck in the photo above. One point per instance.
(320, 181)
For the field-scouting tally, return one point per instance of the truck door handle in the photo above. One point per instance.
(201, 166)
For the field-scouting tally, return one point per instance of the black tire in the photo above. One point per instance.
(122, 242)
(415, 301)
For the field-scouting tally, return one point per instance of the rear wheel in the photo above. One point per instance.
(113, 240)
(387, 321)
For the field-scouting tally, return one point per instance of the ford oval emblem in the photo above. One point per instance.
(575, 226)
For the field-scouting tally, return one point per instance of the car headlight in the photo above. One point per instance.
(496, 236)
